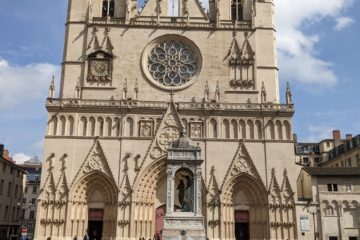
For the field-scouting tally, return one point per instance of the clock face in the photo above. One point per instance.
(99, 68)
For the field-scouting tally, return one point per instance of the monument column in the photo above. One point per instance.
(184, 191)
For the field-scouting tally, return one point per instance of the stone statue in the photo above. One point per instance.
(181, 188)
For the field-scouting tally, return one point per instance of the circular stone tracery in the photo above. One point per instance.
(172, 63)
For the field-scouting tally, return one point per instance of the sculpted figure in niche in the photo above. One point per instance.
(185, 190)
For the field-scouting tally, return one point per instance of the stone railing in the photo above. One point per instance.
(236, 106)
(182, 106)
(180, 23)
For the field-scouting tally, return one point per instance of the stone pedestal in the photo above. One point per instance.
(183, 227)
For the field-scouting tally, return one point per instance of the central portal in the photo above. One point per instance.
(95, 224)
(242, 225)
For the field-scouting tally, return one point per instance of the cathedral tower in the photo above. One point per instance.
(138, 79)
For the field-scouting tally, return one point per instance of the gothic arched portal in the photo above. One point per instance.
(244, 208)
(94, 206)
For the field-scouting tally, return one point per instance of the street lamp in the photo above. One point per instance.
(313, 212)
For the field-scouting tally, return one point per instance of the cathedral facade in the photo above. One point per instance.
(168, 125)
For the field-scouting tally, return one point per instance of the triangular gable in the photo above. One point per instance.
(94, 161)
(105, 45)
(247, 51)
(94, 44)
(47, 193)
(234, 51)
(167, 132)
(213, 189)
(62, 188)
(241, 163)
(274, 190)
(286, 190)
(125, 189)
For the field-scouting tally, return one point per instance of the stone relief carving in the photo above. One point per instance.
(100, 59)
(100, 68)
(146, 128)
(196, 129)
(241, 163)
(94, 161)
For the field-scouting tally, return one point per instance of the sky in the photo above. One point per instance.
(318, 50)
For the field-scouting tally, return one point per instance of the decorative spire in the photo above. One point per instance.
(136, 90)
(125, 89)
(52, 88)
(288, 94)
(217, 92)
(206, 92)
(263, 93)
(77, 90)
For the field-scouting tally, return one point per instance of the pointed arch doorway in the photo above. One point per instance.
(94, 208)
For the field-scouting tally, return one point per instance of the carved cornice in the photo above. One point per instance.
(53, 104)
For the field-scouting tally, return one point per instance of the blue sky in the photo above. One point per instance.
(318, 54)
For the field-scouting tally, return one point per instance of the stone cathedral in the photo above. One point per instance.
(168, 125)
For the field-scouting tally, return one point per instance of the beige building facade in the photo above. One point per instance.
(12, 180)
(133, 83)
(334, 197)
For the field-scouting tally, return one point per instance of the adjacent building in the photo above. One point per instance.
(31, 193)
(324, 152)
(333, 196)
(330, 184)
(12, 179)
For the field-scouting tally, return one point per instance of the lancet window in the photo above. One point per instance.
(108, 8)
(236, 10)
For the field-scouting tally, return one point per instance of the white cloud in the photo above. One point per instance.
(24, 83)
(297, 50)
(318, 133)
(343, 22)
(20, 158)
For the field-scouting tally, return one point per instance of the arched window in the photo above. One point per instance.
(92, 126)
(279, 130)
(83, 126)
(213, 129)
(129, 130)
(250, 125)
(287, 130)
(258, 129)
(242, 129)
(63, 124)
(234, 129)
(236, 10)
(100, 126)
(70, 126)
(108, 8)
(271, 130)
(173, 8)
(117, 127)
(226, 129)
(53, 126)
(108, 126)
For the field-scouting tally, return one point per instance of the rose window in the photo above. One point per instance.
(172, 63)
